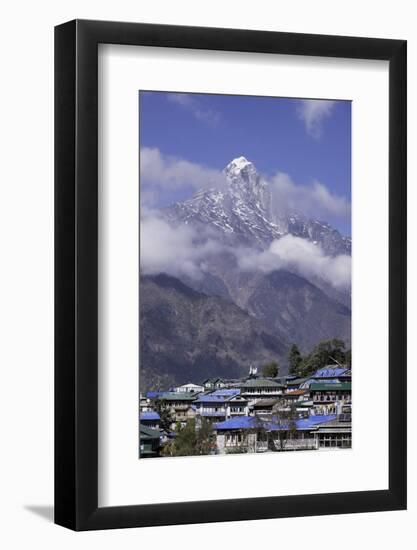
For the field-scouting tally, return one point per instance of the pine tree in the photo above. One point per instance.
(328, 352)
(165, 414)
(294, 359)
(270, 370)
(190, 440)
(205, 437)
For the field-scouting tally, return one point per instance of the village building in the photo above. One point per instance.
(295, 395)
(152, 395)
(145, 404)
(328, 375)
(263, 406)
(180, 406)
(257, 414)
(213, 383)
(331, 372)
(296, 399)
(260, 388)
(240, 435)
(189, 388)
(221, 404)
(336, 433)
(328, 397)
(149, 442)
(256, 434)
(150, 419)
(147, 400)
(297, 382)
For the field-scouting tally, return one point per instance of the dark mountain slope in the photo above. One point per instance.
(294, 307)
(186, 335)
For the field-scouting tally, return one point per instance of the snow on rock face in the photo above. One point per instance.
(245, 209)
(237, 165)
(242, 172)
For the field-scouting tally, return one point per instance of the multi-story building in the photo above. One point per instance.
(257, 434)
(260, 388)
(213, 384)
(249, 415)
(221, 404)
(180, 406)
(149, 442)
(189, 388)
(335, 433)
(150, 419)
(329, 397)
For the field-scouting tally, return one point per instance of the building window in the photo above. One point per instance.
(335, 440)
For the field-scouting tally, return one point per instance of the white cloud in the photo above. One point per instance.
(163, 176)
(161, 173)
(300, 256)
(175, 250)
(184, 250)
(313, 112)
(312, 200)
(191, 104)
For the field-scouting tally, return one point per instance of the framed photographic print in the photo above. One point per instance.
(230, 275)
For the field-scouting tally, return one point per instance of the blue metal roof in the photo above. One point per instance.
(238, 423)
(218, 396)
(319, 380)
(312, 421)
(227, 392)
(330, 372)
(154, 394)
(149, 415)
(211, 399)
(251, 422)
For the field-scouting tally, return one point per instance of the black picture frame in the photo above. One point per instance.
(76, 272)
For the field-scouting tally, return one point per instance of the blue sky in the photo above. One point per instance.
(308, 140)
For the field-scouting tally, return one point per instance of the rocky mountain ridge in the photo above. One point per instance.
(219, 323)
(245, 212)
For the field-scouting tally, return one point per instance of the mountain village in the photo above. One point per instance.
(229, 300)
(243, 308)
(253, 414)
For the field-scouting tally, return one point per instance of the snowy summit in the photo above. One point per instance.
(247, 210)
(242, 175)
(237, 165)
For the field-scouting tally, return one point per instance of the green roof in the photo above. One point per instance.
(148, 433)
(344, 386)
(178, 396)
(148, 452)
(297, 381)
(261, 383)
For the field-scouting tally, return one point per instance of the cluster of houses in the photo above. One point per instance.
(255, 414)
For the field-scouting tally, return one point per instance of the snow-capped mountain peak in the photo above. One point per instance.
(237, 165)
(242, 172)
(245, 210)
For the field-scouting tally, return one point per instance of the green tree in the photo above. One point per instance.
(295, 359)
(254, 437)
(270, 370)
(348, 358)
(185, 440)
(328, 352)
(190, 440)
(285, 420)
(205, 438)
(165, 415)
